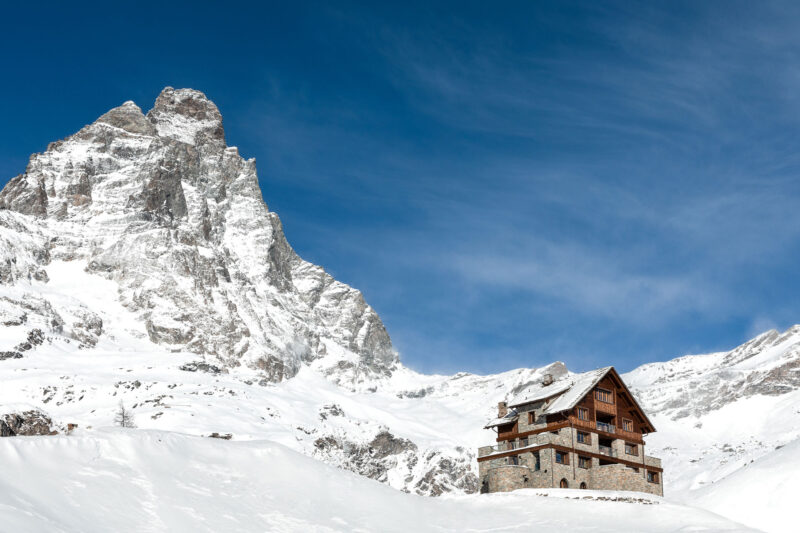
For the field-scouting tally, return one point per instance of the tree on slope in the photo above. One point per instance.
(124, 417)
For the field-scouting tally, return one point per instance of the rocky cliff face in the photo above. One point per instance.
(160, 205)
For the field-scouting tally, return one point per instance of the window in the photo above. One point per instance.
(564, 483)
(652, 477)
(584, 438)
(583, 413)
(583, 485)
(631, 449)
(627, 425)
(562, 458)
(603, 395)
(537, 465)
(513, 460)
(584, 462)
(532, 417)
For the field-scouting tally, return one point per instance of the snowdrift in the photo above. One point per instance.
(146, 480)
(763, 494)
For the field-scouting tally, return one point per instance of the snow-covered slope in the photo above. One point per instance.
(395, 434)
(762, 494)
(725, 422)
(117, 480)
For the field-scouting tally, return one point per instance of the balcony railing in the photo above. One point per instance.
(607, 450)
(608, 428)
(511, 445)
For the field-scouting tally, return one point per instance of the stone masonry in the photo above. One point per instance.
(502, 475)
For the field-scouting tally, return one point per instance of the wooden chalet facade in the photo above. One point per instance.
(582, 431)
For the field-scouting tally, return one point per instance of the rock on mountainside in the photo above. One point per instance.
(160, 205)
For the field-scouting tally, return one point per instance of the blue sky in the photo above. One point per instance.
(508, 185)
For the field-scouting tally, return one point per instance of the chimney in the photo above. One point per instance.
(547, 379)
(502, 409)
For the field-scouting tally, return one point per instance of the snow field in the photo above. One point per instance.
(152, 481)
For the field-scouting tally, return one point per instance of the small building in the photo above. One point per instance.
(583, 431)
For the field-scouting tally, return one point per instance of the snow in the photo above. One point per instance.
(763, 494)
(135, 480)
(540, 392)
(582, 384)
(511, 417)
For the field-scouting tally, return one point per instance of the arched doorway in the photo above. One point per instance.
(564, 483)
(583, 485)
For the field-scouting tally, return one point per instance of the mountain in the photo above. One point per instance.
(162, 207)
(140, 265)
(139, 262)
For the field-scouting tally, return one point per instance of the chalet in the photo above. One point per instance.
(582, 431)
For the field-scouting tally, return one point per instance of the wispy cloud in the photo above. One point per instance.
(635, 171)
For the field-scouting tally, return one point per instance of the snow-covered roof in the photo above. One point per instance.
(512, 416)
(581, 385)
(569, 390)
(540, 392)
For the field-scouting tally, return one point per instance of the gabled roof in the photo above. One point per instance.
(565, 392)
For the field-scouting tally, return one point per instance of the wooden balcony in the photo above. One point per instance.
(603, 407)
(608, 429)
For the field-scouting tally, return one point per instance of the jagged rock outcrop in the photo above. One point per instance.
(25, 423)
(160, 205)
(428, 472)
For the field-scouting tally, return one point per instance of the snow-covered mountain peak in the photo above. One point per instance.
(128, 117)
(768, 364)
(188, 116)
(159, 204)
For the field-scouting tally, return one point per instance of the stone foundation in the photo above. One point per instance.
(508, 478)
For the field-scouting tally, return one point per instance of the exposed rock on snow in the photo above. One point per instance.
(25, 423)
(195, 366)
(432, 473)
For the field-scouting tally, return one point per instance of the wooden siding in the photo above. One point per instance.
(504, 432)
